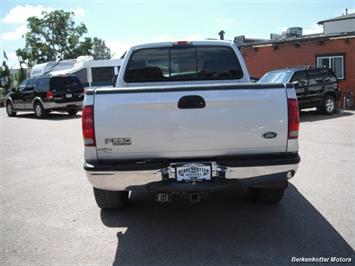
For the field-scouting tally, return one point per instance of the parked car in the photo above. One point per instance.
(185, 119)
(46, 93)
(315, 87)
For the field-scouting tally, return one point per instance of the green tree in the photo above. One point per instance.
(95, 47)
(56, 37)
(99, 49)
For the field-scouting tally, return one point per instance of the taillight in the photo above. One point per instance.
(293, 118)
(87, 119)
(49, 95)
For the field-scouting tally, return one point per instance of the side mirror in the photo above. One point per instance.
(296, 83)
(13, 89)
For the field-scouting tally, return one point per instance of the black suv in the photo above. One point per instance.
(46, 93)
(315, 87)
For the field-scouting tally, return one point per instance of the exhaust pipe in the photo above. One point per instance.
(163, 197)
(194, 197)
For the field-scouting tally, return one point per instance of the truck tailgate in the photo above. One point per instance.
(148, 124)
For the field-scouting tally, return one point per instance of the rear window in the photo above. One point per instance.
(315, 77)
(315, 80)
(328, 76)
(65, 83)
(276, 77)
(187, 63)
(102, 76)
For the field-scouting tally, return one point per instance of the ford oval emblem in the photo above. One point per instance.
(270, 135)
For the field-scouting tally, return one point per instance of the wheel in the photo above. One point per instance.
(328, 105)
(267, 195)
(40, 112)
(72, 112)
(9, 109)
(108, 200)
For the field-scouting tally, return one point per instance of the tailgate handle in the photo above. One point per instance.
(191, 102)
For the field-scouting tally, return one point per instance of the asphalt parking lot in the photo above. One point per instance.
(49, 216)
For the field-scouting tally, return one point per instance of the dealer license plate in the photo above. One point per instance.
(68, 95)
(193, 172)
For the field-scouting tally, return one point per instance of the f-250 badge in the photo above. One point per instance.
(118, 141)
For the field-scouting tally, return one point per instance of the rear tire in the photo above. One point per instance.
(40, 112)
(267, 195)
(10, 109)
(328, 105)
(110, 200)
(72, 112)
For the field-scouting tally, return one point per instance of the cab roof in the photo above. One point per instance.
(182, 43)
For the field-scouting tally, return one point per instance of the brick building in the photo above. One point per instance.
(334, 48)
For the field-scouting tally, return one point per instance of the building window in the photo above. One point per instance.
(335, 63)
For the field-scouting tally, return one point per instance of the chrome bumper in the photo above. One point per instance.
(145, 179)
(54, 105)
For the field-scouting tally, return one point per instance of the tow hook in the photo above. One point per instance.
(194, 197)
(163, 197)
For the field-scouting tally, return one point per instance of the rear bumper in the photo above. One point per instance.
(62, 105)
(154, 176)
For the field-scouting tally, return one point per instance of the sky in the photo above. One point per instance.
(122, 24)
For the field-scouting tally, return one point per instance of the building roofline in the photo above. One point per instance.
(344, 17)
(322, 37)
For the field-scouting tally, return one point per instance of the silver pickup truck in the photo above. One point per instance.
(185, 119)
